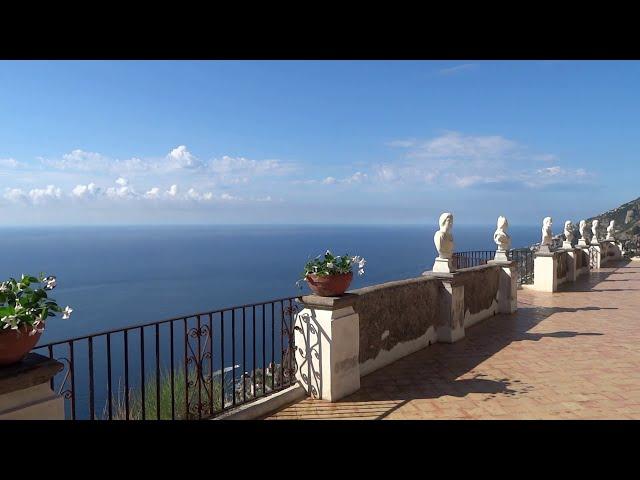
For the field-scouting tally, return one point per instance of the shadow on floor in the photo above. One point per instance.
(435, 372)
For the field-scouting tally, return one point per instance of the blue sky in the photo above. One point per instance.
(97, 142)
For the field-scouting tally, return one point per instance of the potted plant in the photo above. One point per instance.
(23, 312)
(329, 275)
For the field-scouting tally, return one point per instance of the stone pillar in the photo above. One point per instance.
(451, 307)
(544, 271)
(613, 250)
(25, 391)
(508, 287)
(585, 263)
(327, 335)
(597, 256)
(571, 264)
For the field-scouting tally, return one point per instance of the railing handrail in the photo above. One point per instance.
(160, 322)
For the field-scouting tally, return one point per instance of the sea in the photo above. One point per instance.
(118, 276)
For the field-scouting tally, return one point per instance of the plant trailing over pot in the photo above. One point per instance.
(23, 312)
(329, 275)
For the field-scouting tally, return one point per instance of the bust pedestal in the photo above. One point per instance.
(597, 254)
(508, 287)
(501, 256)
(582, 251)
(544, 271)
(443, 265)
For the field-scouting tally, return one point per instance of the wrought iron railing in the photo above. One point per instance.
(190, 367)
(472, 258)
(524, 259)
(522, 256)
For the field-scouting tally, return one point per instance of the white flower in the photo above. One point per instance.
(327, 253)
(330, 265)
(4, 287)
(362, 263)
(67, 312)
(361, 271)
(50, 283)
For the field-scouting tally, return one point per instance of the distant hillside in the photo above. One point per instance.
(627, 218)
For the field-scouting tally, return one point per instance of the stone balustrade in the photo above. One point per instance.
(340, 339)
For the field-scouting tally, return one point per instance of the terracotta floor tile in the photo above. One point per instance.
(573, 354)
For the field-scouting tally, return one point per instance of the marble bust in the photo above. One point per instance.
(547, 235)
(594, 231)
(610, 230)
(583, 233)
(443, 240)
(502, 238)
(568, 234)
(443, 237)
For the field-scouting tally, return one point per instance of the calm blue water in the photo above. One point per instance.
(120, 276)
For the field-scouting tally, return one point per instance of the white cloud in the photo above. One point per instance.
(36, 196)
(357, 177)
(121, 192)
(193, 194)
(456, 145)
(85, 191)
(124, 190)
(457, 69)
(401, 143)
(180, 157)
(467, 160)
(241, 170)
(226, 196)
(152, 193)
(10, 163)
(43, 195)
(15, 195)
(79, 160)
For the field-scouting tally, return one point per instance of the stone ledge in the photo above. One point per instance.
(265, 405)
(547, 254)
(329, 303)
(351, 296)
(35, 369)
(502, 263)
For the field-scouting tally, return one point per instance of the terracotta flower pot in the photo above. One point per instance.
(329, 285)
(15, 344)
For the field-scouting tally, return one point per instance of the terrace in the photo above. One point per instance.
(572, 354)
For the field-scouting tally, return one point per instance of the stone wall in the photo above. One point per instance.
(340, 339)
(396, 319)
(399, 318)
(480, 292)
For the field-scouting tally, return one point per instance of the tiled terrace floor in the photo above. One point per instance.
(574, 354)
